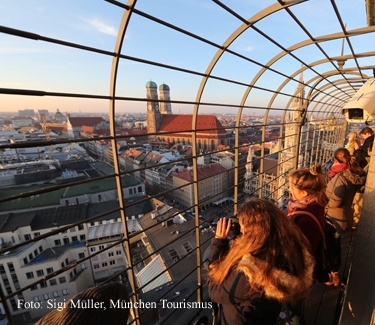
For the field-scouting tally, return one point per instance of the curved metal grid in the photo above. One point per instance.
(310, 143)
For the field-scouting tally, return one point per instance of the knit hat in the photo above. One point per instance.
(92, 306)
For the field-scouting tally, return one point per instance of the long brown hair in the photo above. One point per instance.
(268, 235)
(312, 181)
(342, 155)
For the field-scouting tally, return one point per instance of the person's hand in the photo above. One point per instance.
(356, 146)
(223, 228)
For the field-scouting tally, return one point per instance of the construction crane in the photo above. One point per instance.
(47, 131)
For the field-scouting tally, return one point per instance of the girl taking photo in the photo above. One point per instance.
(267, 264)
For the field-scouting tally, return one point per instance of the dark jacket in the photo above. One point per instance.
(238, 300)
(361, 154)
(340, 191)
(308, 226)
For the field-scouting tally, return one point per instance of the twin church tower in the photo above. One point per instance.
(154, 111)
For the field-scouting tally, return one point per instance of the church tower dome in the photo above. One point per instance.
(153, 112)
(164, 95)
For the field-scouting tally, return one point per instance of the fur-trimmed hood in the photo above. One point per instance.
(355, 179)
(285, 287)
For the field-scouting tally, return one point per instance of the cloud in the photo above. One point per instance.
(249, 48)
(101, 27)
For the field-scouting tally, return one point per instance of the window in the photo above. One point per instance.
(43, 284)
(83, 266)
(35, 252)
(39, 273)
(92, 249)
(62, 279)
(65, 292)
(36, 234)
(82, 237)
(27, 236)
(104, 264)
(14, 304)
(66, 202)
(49, 270)
(130, 191)
(52, 282)
(47, 296)
(72, 229)
(11, 267)
(81, 255)
(36, 299)
(80, 227)
(99, 198)
(57, 242)
(34, 287)
(139, 189)
(30, 275)
(74, 239)
(118, 252)
(62, 265)
(40, 249)
(95, 258)
(56, 294)
(110, 254)
(66, 240)
(30, 256)
(101, 247)
(25, 260)
(111, 262)
(96, 266)
(92, 223)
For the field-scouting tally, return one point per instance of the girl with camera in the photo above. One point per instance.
(266, 265)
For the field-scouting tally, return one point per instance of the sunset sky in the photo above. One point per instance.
(39, 65)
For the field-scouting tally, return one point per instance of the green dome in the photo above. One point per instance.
(164, 87)
(151, 84)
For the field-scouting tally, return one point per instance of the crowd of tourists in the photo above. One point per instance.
(271, 266)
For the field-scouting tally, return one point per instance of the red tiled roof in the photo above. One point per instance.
(203, 172)
(87, 129)
(178, 123)
(85, 120)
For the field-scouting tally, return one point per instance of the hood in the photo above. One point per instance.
(284, 286)
(355, 179)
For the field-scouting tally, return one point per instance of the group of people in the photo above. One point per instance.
(272, 263)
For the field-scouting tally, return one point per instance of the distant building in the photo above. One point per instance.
(26, 112)
(210, 132)
(41, 113)
(212, 185)
(58, 117)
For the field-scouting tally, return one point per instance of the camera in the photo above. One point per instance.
(361, 107)
(235, 227)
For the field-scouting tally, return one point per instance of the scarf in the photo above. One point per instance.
(295, 205)
(335, 169)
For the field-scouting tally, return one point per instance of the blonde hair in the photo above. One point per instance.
(312, 181)
(268, 235)
(353, 136)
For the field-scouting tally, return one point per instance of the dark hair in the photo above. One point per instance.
(342, 155)
(367, 130)
(312, 181)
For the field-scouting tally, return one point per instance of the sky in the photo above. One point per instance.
(45, 66)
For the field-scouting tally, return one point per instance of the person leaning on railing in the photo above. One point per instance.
(267, 264)
(346, 178)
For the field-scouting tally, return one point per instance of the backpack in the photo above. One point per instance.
(324, 255)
